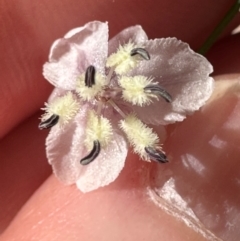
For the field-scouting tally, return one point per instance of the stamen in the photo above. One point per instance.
(142, 52)
(114, 105)
(50, 122)
(158, 90)
(109, 76)
(139, 135)
(121, 61)
(90, 76)
(65, 107)
(93, 153)
(98, 128)
(133, 89)
(99, 108)
(156, 155)
(90, 84)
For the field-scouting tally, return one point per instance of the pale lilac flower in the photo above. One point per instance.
(107, 93)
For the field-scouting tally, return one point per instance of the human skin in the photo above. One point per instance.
(34, 204)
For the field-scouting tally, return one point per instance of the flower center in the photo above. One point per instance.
(106, 90)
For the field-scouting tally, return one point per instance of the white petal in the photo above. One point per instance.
(70, 56)
(65, 148)
(106, 167)
(134, 33)
(56, 93)
(182, 72)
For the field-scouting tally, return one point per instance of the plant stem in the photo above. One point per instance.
(220, 27)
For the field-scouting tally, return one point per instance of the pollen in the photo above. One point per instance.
(66, 107)
(133, 90)
(139, 135)
(89, 93)
(98, 128)
(122, 60)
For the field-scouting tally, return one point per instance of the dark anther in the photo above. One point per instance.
(156, 155)
(50, 122)
(90, 76)
(142, 52)
(92, 155)
(158, 90)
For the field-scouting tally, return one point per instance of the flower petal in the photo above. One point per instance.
(106, 167)
(182, 72)
(70, 56)
(64, 148)
(134, 33)
(56, 93)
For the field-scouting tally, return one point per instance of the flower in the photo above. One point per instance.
(106, 95)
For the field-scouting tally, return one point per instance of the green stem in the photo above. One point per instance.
(221, 26)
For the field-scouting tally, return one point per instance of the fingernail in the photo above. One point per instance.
(201, 183)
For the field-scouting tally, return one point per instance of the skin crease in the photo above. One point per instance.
(121, 210)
